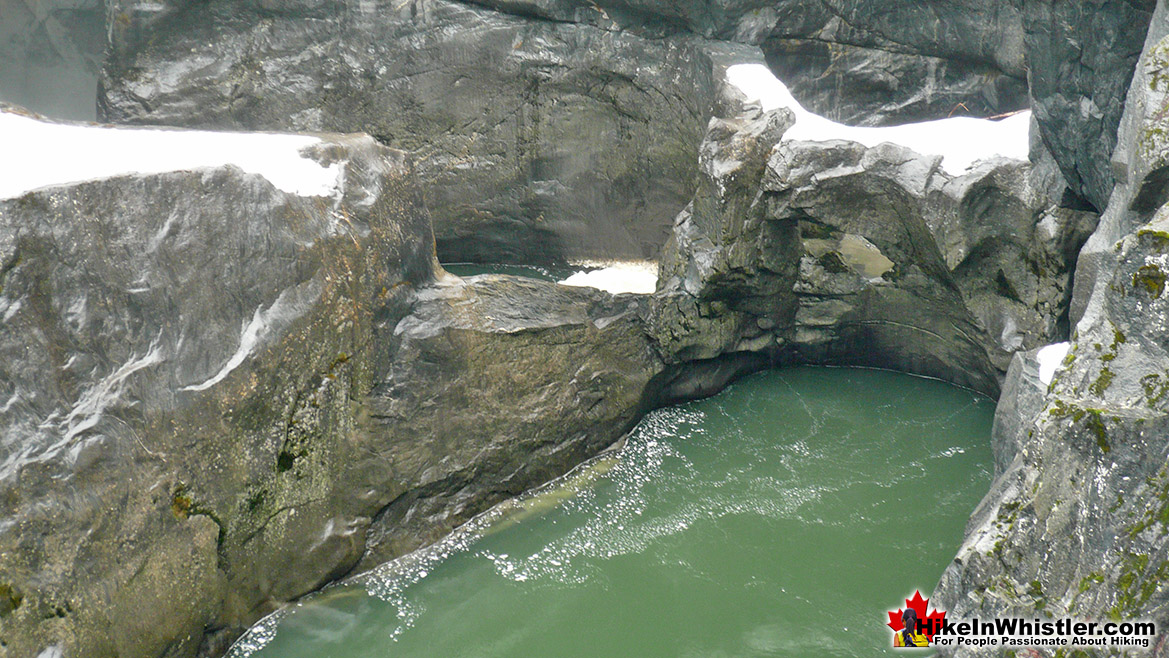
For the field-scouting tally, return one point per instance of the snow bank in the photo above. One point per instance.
(39, 154)
(636, 276)
(1050, 358)
(961, 141)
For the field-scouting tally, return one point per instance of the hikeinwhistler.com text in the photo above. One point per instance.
(1018, 632)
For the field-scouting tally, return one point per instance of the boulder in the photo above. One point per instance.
(498, 384)
(181, 355)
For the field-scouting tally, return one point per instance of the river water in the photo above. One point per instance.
(782, 517)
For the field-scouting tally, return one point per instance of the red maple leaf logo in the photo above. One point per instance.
(930, 624)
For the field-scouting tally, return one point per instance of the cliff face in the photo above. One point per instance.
(181, 352)
(217, 394)
(1076, 520)
(534, 141)
(828, 251)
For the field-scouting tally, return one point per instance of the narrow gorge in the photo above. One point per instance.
(234, 370)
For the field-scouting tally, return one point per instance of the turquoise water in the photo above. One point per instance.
(782, 517)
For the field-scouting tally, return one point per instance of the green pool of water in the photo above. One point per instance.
(782, 517)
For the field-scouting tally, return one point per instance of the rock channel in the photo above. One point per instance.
(213, 403)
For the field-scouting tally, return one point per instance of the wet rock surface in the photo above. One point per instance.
(548, 375)
(1081, 59)
(180, 356)
(874, 87)
(833, 252)
(1075, 522)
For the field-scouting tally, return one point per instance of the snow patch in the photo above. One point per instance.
(961, 141)
(40, 154)
(639, 277)
(1050, 358)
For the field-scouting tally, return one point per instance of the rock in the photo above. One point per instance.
(1138, 161)
(535, 141)
(1076, 522)
(834, 252)
(217, 396)
(874, 87)
(1081, 58)
(1011, 252)
(498, 384)
(181, 356)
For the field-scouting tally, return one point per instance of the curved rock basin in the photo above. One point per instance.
(782, 517)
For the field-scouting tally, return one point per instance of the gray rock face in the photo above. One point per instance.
(498, 384)
(1081, 57)
(1138, 162)
(535, 141)
(831, 252)
(1076, 522)
(874, 87)
(561, 129)
(989, 33)
(50, 54)
(180, 352)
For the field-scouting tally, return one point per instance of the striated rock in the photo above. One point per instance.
(874, 87)
(1076, 523)
(535, 141)
(1081, 57)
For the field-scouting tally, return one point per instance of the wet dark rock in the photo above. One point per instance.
(1081, 57)
(832, 252)
(535, 141)
(1076, 522)
(873, 87)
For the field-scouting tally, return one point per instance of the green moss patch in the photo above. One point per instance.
(1151, 278)
(10, 599)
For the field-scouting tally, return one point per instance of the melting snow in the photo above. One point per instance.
(40, 154)
(959, 140)
(637, 277)
(1050, 357)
